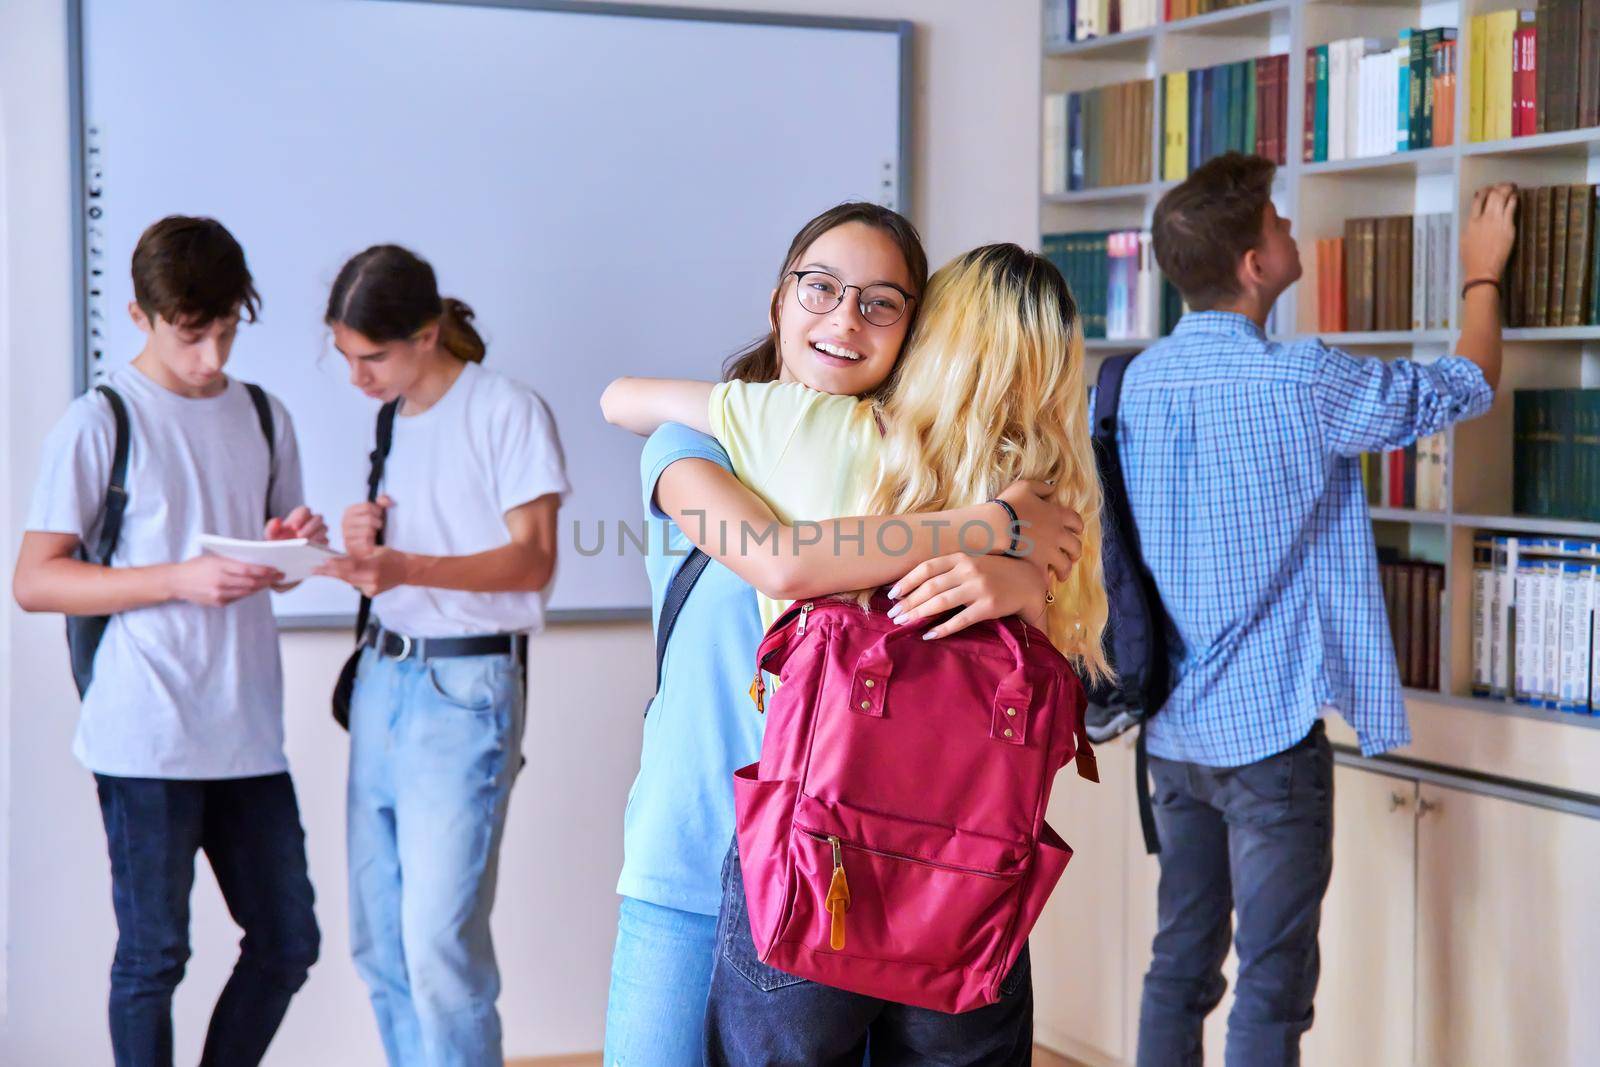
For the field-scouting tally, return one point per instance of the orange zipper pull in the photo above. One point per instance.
(758, 690)
(838, 897)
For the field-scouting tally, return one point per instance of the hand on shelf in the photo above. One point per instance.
(1490, 232)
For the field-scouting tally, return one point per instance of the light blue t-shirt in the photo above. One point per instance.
(702, 725)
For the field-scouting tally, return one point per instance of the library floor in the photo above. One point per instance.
(1041, 1058)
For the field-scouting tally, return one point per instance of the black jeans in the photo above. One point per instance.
(758, 1014)
(249, 829)
(1256, 840)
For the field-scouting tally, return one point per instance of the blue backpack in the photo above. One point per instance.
(1138, 632)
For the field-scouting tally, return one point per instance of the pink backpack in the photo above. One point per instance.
(892, 837)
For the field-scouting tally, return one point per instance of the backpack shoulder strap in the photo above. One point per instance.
(682, 582)
(379, 456)
(117, 486)
(1108, 394)
(263, 406)
(1119, 512)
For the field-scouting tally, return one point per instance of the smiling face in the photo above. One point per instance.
(839, 351)
(388, 369)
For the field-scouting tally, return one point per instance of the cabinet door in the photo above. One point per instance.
(1079, 995)
(1364, 998)
(1508, 933)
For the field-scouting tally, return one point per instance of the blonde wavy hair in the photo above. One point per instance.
(990, 388)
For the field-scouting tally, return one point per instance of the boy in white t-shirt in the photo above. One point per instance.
(456, 555)
(182, 721)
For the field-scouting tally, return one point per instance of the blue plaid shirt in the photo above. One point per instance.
(1242, 458)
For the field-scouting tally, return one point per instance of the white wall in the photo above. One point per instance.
(975, 180)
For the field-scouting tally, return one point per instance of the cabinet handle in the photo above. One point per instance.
(1424, 805)
(1398, 801)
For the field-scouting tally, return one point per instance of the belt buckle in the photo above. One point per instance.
(406, 646)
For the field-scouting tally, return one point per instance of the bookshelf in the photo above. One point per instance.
(1319, 197)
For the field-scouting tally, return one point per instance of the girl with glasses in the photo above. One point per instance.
(847, 294)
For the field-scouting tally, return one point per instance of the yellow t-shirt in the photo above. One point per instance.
(809, 455)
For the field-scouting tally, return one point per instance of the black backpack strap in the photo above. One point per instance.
(1141, 785)
(1107, 401)
(380, 454)
(117, 486)
(258, 397)
(688, 573)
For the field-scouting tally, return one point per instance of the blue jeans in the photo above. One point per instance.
(1256, 840)
(760, 1015)
(660, 975)
(434, 746)
(249, 829)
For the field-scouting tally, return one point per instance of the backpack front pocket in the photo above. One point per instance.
(897, 891)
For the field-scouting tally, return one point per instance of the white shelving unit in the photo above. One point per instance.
(1319, 197)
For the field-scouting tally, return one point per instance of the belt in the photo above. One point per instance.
(401, 646)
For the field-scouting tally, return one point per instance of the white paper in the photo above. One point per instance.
(295, 558)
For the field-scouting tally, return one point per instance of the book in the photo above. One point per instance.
(1560, 198)
(1524, 120)
(1558, 101)
(1477, 45)
(1104, 134)
(1482, 602)
(1396, 272)
(1231, 107)
(1116, 281)
(295, 558)
(1579, 236)
(1589, 64)
(1500, 29)
(1544, 202)
(1175, 131)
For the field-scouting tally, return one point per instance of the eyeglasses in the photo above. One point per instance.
(881, 304)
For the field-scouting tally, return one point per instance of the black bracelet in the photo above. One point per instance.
(1016, 524)
(1479, 281)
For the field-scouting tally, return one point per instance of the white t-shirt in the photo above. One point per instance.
(180, 690)
(487, 446)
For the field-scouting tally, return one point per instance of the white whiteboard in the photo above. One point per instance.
(610, 191)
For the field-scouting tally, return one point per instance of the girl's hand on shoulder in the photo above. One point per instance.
(1051, 534)
(976, 587)
(374, 573)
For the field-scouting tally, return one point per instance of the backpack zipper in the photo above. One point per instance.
(837, 843)
(838, 901)
(758, 687)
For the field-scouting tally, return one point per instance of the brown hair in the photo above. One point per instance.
(388, 293)
(759, 361)
(191, 272)
(1204, 227)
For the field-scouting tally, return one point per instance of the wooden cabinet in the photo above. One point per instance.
(1459, 930)
(1508, 933)
(1363, 1006)
(1081, 991)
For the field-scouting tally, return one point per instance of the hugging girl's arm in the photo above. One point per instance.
(644, 404)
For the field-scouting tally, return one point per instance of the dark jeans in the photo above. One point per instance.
(249, 829)
(1256, 840)
(758, 1014)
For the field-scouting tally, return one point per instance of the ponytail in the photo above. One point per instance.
(457, 334)
(389, 293)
